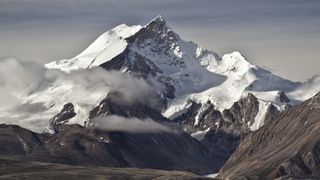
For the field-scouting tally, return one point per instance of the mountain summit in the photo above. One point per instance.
(141, 96)
(183, 71)
(183, 81)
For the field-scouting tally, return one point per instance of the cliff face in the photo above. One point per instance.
(288, 146)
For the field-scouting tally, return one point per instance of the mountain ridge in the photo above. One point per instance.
(287, 147)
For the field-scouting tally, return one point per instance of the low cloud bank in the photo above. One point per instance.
(132, 125)
(30, 94)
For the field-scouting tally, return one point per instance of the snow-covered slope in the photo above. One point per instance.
(182, 71)
(103, 49)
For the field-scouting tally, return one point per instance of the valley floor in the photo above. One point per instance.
(12, 167)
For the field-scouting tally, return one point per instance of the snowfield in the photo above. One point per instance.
(103, 49)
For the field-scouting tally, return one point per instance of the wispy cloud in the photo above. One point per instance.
(31, 95)
(133, 125)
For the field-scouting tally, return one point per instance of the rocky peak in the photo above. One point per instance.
(158, 30)
(157, 21)
(159, 26)
(66, 113)
(250, 98)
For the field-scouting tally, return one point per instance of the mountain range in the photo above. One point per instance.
(141, 96)
(184, 72)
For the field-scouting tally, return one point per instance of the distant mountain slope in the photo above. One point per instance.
(76, 145)
(288, 147)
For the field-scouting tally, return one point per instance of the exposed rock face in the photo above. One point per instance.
(65, 114)
(242, 113)
(272, 113)
(161, 40)
(227, 128)
(239, 117)
(116, 104)
(285, 147)
(283, 97)
(188, 117)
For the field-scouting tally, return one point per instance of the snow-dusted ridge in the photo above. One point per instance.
(168, 63)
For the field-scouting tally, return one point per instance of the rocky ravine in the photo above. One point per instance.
(288, 146)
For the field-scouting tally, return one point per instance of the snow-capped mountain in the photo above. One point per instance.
(104, 49)
(193, 86)
(141, 96)
(184, 72)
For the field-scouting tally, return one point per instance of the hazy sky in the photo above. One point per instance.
(280, 35)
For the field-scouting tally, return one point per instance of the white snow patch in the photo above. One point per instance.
(212, 175)
(200, 135)
(260, 117)
(200, 112)
(177, 110)
(103, 49)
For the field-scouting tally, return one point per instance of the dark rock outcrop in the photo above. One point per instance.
(163, 40)
(239, 117)
(66, 113)
(286, 147)
(242, 112)
(116, 104)
(62, 117)
(283, 98)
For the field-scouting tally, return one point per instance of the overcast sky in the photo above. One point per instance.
(280, 35)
